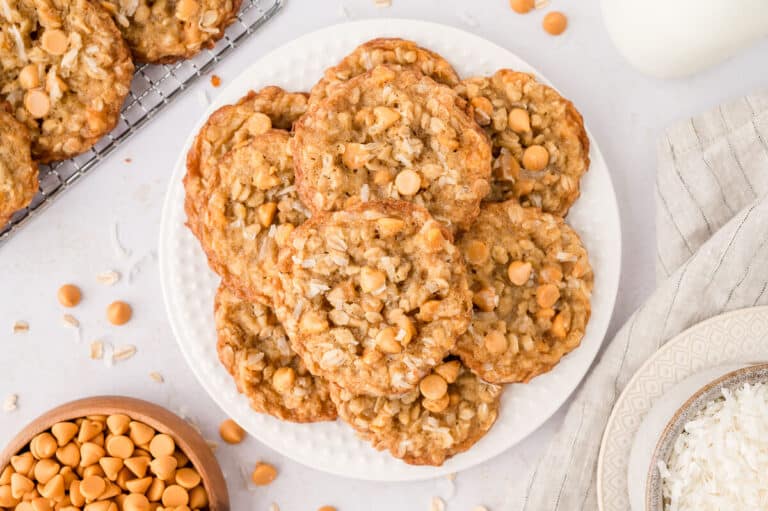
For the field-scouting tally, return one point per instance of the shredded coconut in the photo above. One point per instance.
(720, 460)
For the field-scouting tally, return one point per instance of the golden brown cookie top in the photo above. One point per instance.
(65, 71)
(164, 32)
(400, 54)
(449, 412)
(250, 207)
(252, 345)
(231, 126)
(531, 282)
(18, 173)
(374, 296)
(540, 146)
(391, 134)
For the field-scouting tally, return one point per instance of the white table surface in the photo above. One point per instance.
(72, 242)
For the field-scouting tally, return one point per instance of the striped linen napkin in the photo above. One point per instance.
(712, 257)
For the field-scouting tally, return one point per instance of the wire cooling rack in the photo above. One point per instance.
(153, 88)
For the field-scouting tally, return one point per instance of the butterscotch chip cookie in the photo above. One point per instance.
(374, 296)
(253, 347)
(540, 146)
(449, 412)
(249, 208)
(531, 282)
(399, 54)
(65, 70)
(18, 173)
(167, 31)
(393, 135)
(228, 127)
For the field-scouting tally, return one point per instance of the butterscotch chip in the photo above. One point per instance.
(69, 295)
(18, 173)
(119, 313)
(342, 324)
(254, 348)
(540, 273)
(399, 54)
(404, 126)
(418, 430)
(248, 201)
(263, 474)
(229, 430)
(540, 146)
(83, 73)
(165, 32)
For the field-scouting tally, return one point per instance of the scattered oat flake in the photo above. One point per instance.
(451, 476)
(212, 445)
(202, 98)
(70, 320)
(540, 4)
(382, 3)
(128, 160)
(20, 326)
(97, 350)
(215, 80)
(274, 507)
(156, 377)
(108, 278)
(138, 266)
(437, 504)
(479, 508)
(343, 12)
(123, 352)
(10, 403)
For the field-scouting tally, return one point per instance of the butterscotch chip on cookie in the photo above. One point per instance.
(254, 349)
(249, 208)
(399, 54)
(228, 127)
(393, 135)
(373, 296)
(18, 173)
(531, 282)
(65, 71)
(164, 32)
(450, 411)
(540, 146)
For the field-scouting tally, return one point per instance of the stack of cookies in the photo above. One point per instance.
(392, 246)
(66, 67)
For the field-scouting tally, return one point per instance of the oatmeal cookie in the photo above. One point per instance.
(162, 32)
(449, 412)
(250, 206)
(540, 146)
(393, 135)
(65, 70)
(254, 349)
(231, 126)
(18, 173)
(399, 54)
(531, 282)
(373, 296)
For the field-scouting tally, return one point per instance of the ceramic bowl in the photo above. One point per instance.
(163, 421)
(712, 390)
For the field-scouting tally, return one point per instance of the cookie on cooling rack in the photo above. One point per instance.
(249, 208)
(18, 173)
(399, 54)
(447, 414)
(374, 296)
(531, 282)
(253, 347)
(391, 134)
(228, 127)
(164, 32)
(65, 71)
(540, 146)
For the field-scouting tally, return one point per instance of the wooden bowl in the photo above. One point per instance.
(162, 420)
(752, 374)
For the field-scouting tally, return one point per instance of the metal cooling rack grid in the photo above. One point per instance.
(153, 87)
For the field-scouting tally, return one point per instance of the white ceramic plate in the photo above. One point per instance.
(738, 337)
(189, 286)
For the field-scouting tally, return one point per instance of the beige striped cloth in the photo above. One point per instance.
(712, 257)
